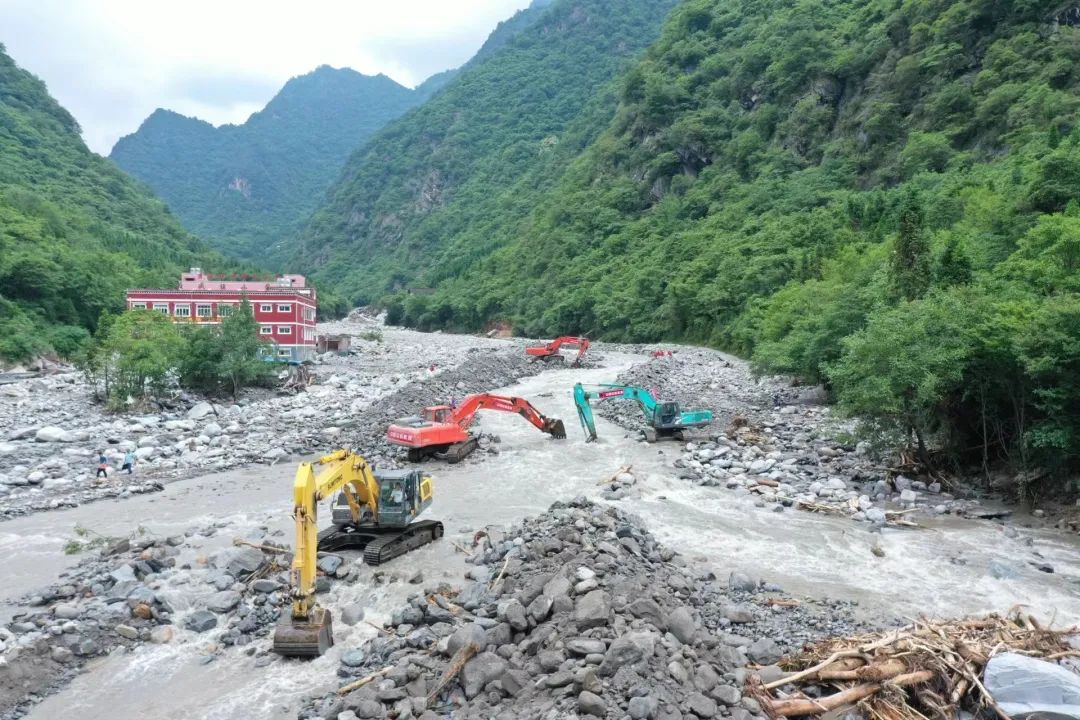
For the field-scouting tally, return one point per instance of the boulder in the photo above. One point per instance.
(764, 651)
(352, 613)
(626, 650)
(681, 624)
(591, 704)
(201, 621)
(200, 410)
(224, 601)
(592, 609)
(50, 433)
(479, 671)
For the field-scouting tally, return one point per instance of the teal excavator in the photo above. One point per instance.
(662, 419)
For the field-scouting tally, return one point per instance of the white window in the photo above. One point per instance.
(284, 353)
(202, 311)
(162, 308)
(182, 311)
(138, 306)
(266, 308)
(224, 310)
(309, 313)
(284, 308)
(266, 330)
(284, 330)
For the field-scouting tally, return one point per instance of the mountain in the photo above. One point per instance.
(501, 131)
(880, 195)
(75, 231)
(245, 187)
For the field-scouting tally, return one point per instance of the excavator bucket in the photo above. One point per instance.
(300, 638)
(555, 428)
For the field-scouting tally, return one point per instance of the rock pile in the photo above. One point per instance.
(577, 613)
(129, 594)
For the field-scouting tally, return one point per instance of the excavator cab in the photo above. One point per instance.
(439, 414)
(667, 415)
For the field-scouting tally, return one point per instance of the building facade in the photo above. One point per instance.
(284, 308)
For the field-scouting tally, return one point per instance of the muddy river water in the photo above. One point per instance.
(938, 570)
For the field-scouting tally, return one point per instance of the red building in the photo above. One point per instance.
(284, 307)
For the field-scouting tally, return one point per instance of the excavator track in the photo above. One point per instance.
(380, 544)
(389, 547)
(458, 451)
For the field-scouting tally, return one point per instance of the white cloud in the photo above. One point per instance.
(112, 62)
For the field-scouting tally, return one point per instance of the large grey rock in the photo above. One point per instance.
(353, 658)
(591, 704)
(330, 563)
(701, 706)
(200, 410)
(626, 650)
(472, 633)
(240, 562)
(592, 609)
(479, 671)
(764, 651)
(126, 631)
(352, 613)
(642, 707)
(514, 681)
(738, 614)
(649, 611)
(586, 646)
(680, 623)
(540, 608)
(66, 612)
(50, 433)
(741, 582)
(513, 612)
(726, 694)
(224, 601)
(201, 621)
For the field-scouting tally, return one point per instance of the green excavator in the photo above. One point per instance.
(662, 419)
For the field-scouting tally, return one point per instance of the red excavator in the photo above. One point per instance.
(550, 352)
(443, 431)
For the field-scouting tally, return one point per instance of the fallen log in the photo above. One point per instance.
(794, 707)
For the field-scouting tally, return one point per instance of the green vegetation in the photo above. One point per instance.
(876, 194)
(431, 191)
(140, 353)
(75, 232)
(246, 187)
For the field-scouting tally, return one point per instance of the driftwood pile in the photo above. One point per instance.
(924, 671)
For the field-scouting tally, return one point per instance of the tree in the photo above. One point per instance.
(902, 368)
(953, 266)
(241, 364)
(909, 266)
(139, 350)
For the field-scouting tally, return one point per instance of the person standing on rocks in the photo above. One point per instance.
(103, 465)
(129, 461)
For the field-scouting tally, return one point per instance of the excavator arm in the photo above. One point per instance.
(465, 412)
(309, 632)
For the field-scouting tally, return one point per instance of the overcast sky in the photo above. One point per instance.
(112, 62)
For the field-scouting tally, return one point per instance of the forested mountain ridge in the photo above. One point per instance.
(881, 195)
(490, 140)
(75, 231)
(246, 187)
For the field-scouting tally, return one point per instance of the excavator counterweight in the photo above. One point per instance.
(374, 512)
(442, 431)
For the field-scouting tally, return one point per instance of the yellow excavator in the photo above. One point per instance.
(374, 512)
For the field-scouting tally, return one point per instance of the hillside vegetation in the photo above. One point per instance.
(881, 195)
(75, 231)
(476, 153)
(245, 187)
